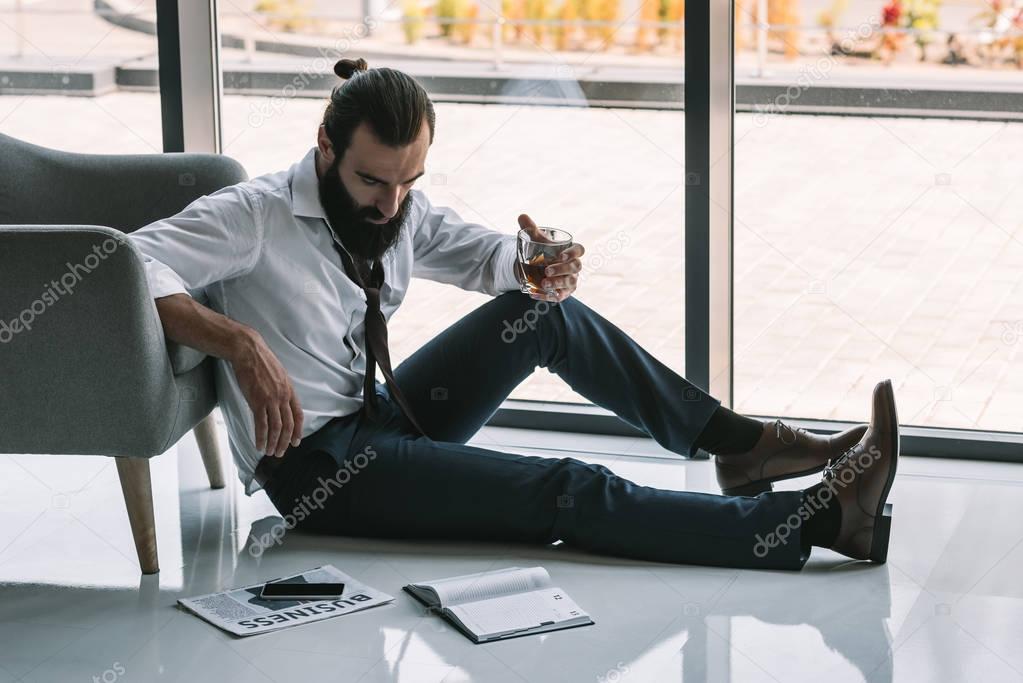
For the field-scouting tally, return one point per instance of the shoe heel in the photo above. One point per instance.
(752, 489)
(882, 532)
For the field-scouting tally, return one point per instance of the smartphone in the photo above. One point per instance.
(276, 590)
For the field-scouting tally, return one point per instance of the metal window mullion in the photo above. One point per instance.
(709, 87)
(169, 56)
(190, 82)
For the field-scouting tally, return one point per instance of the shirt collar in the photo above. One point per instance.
(305, 188)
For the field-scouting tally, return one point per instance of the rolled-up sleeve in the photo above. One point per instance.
(471, 256)
(216, 237)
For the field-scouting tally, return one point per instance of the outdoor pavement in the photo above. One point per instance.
(865, 247)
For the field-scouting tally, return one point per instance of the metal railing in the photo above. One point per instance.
(497, 25)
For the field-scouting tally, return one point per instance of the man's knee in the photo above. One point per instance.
(578, 495)
(523, 315)
(514, 300)
(573, 478)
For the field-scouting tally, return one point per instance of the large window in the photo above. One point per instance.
(68, 69)
(872, 246)
(574, 120)
(874, 202)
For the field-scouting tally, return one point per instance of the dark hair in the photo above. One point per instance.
(391, 102)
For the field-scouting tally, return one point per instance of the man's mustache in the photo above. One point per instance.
(372, 213)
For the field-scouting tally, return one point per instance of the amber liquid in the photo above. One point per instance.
(534, 271)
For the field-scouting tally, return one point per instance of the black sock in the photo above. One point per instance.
(728, 433)
(824, 520)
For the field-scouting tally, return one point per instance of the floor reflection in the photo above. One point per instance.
(73, 605)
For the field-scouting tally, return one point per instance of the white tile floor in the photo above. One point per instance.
(73, 607)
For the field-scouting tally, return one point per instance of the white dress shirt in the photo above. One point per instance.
(261, 252)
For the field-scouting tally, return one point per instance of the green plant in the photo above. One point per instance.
(413, 15)
(922, 15)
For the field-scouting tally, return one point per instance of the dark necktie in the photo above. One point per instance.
(376, 339)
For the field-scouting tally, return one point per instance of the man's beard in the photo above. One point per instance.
(362, 239)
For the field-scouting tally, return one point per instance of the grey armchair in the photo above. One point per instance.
(85, 368)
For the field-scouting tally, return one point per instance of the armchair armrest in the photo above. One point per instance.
(183, 358)
(84, 366)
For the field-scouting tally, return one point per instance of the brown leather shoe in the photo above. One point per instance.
(861, 480)
(781, 453)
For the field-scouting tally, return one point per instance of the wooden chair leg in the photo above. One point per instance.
(137, 488)
(206, 438)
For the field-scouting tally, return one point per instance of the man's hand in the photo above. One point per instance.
(261, 377)
(267, 389)
(562, 275)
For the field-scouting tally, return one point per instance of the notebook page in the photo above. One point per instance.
(483, 585)
(518, 612)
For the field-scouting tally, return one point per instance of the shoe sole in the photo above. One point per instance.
(883, 513)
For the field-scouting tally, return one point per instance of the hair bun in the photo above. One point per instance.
(346, 68)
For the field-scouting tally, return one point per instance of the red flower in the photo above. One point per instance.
(892, 12)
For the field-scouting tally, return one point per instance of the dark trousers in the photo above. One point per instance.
(359, 477)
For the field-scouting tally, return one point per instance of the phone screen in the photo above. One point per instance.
(302, 590)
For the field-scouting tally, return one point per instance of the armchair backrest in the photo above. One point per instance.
(42, 186)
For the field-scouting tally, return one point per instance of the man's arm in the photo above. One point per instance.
(263, 380)
(188, 322)
(471, 256)
(216, 237)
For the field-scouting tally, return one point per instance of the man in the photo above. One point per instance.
(292, 263)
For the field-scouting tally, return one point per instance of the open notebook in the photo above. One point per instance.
(503, 603)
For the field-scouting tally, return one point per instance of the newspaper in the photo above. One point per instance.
(242, 612)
